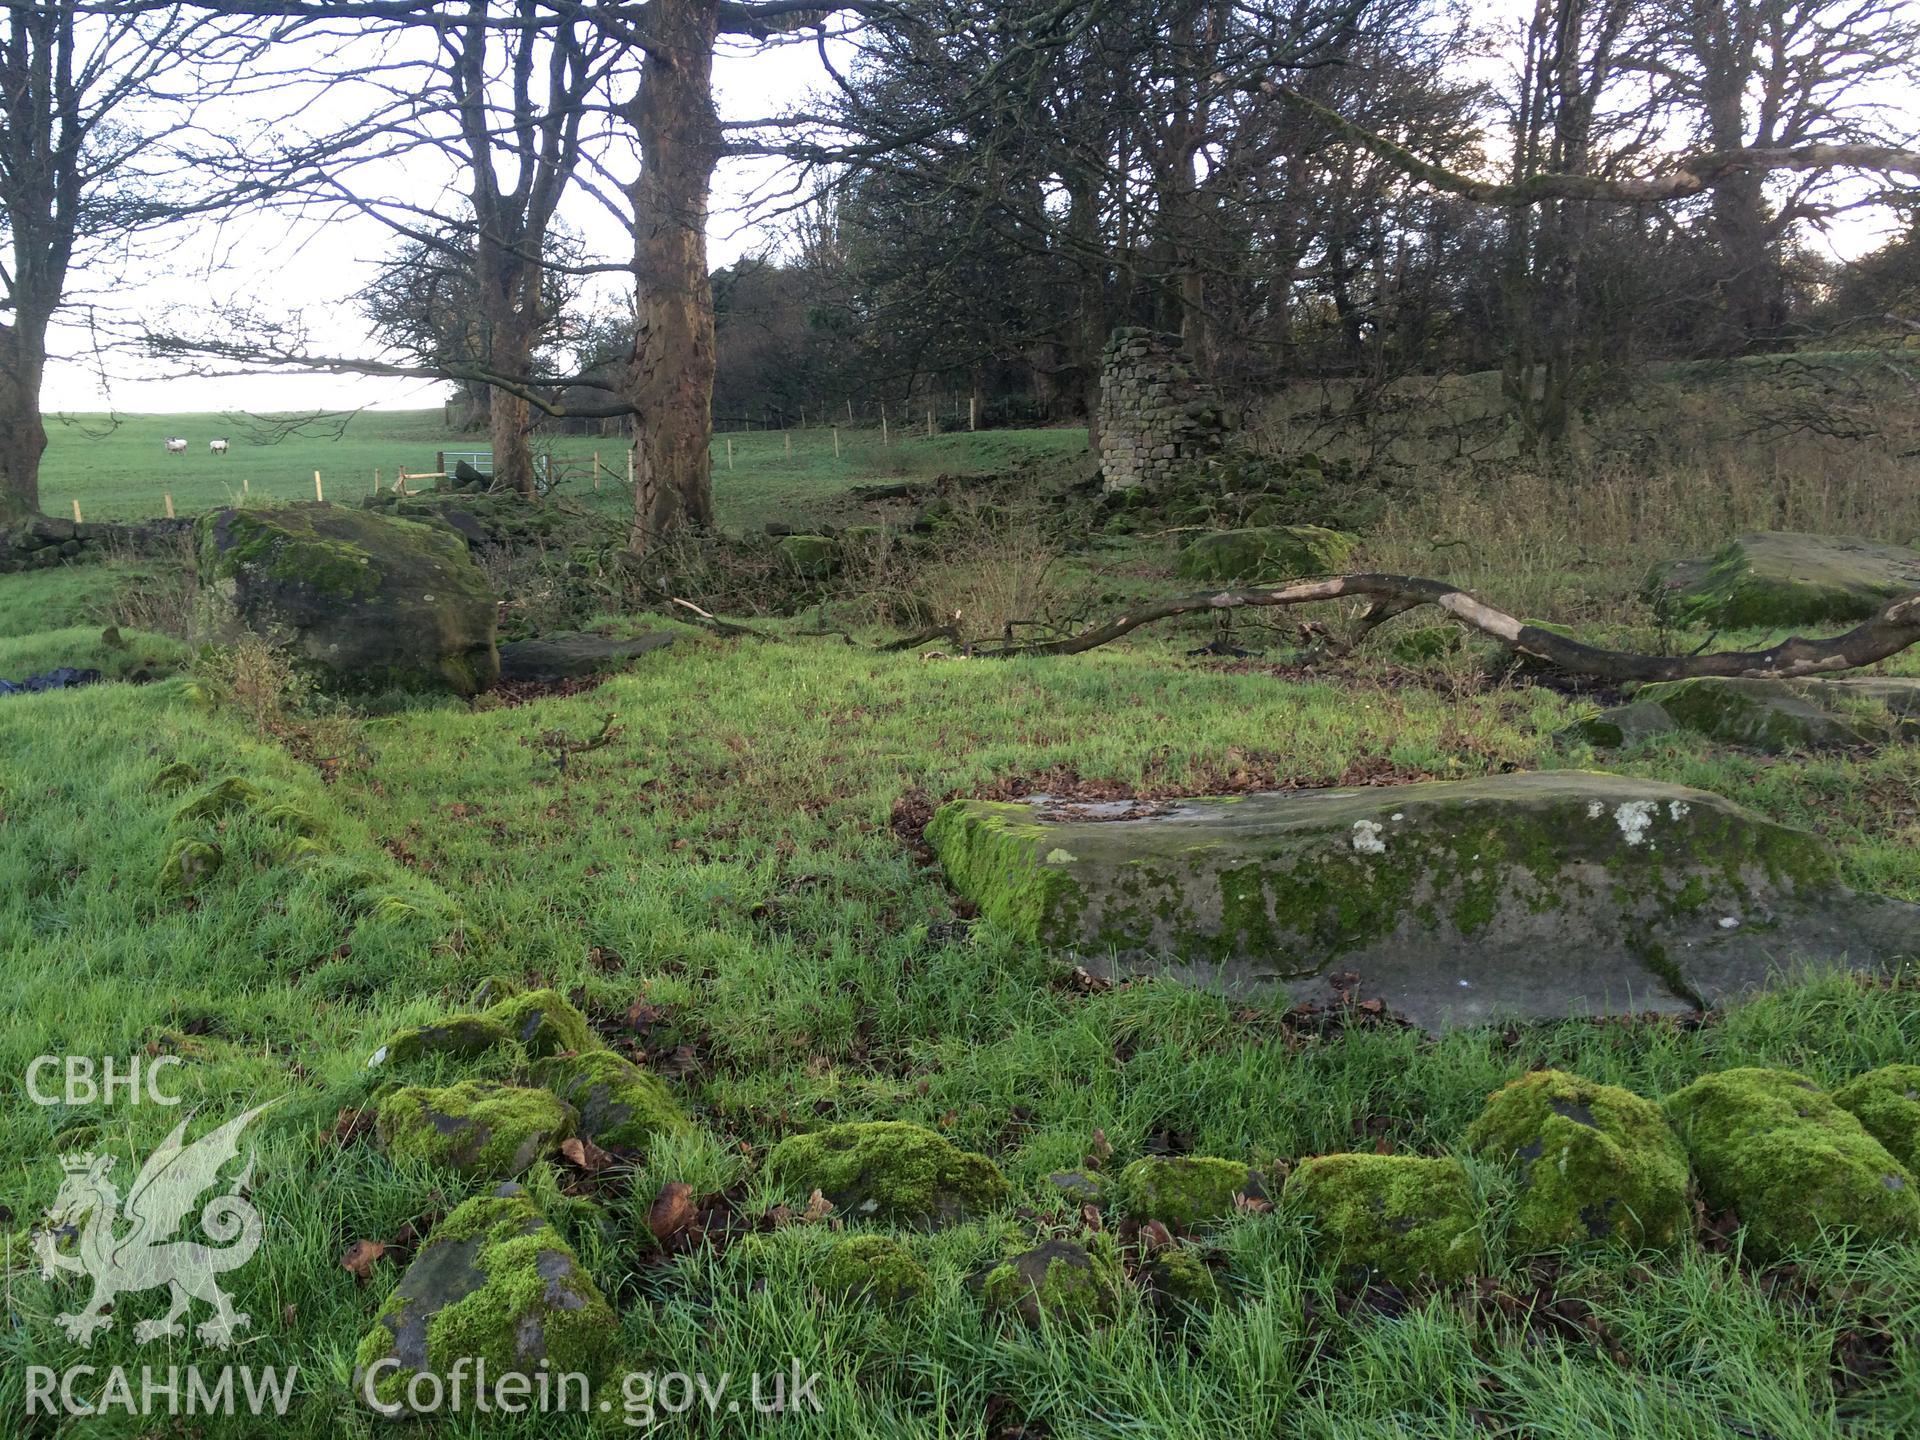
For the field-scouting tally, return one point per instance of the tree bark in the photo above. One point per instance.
(23, 435)
(510, 416)
(670, 380)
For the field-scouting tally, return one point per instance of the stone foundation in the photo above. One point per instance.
(1156, 415)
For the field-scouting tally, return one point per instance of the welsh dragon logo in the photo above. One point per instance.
(135, 1247)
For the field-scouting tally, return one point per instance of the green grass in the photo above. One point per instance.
(729, 859)
(118, 469)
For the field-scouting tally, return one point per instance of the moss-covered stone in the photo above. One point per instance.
(1058, 1282)
(622, 1107)
(1887, 1103)
(460, 1036)
(1781, 578)
(1176, 1277)
(545, 1023)
(1402, 1218)
(1595, 1162)
(494, 1284)
(1272, 552)
(1081, 1187)
(223, 799)
(477, 1127)
(365, 601)
(1777, 1150)
(1621, 725)
(890, 1170)
(873, 1268)
(187, 866)
(1770, 715)
(1187, 1190)
(809, 557)
(1535, 896)
(176, 776)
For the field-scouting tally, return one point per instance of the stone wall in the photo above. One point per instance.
(1156, 415)
(47, 540)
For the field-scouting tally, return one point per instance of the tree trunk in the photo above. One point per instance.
(670, 381)
(510, 416)
(23, 437)
(1750, 277)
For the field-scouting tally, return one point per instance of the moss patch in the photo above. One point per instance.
(1059, 1282)
(545, 1023)
(476, 1127)
(1595, 1162)
(873, 1268)
(1778, 1151)
(494, 1283)
(621, 1105)
(461, 1036)
(1177, 1277)
(1401, 1217)
(1887, 1103)
(1186, 1191)
(888, 1169)
(1271, 552)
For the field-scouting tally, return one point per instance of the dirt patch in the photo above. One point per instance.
(512, 694)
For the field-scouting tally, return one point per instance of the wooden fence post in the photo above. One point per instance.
(787, 435)
(318, 493)
(76, 514)
(376, 481)
(836, 442)
(168, 497)
(596, 470)
(729, 452)
(929, 424)
(883, 427)
(970, 413)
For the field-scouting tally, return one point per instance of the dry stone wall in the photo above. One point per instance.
(44, 541)
(1157, 416)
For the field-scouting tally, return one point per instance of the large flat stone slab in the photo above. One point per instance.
(1786, 577)
(1528, 896)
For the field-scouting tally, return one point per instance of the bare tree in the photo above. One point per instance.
(96, 131)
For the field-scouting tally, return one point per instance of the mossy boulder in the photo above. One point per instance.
(1402, 1218)
(1595, 1162)
(366, 601)
(175, 776)
(1769, 715)
(1187, 1190)
(808, 557)
(1887, 1103)
(1060, 1282)
(476, 1127)
(461, 1037)
(1621, 725)
(876, 1269)
(1079, 1187)
(187, 865)
(1176, 1277)
(570, 655)
(545, 1022)
(494, 1284)
(219, 801)
(890, 1170)
(1776, 1149)
(622, 1107)
(1267, 552)
(1780, 578)
(1531, 896)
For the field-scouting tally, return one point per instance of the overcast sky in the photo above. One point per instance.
(265, 261)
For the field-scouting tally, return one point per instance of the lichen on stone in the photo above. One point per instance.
(494, 1284)
(1402, 1218)
(1059, 1282)
(1887, 1102)
(888, 1169)
(476, 1127)
(1187, 1190)
(545, 1023)
(1594, 1162)
(621, 1105)
(1777, 1150)
(873, 1268)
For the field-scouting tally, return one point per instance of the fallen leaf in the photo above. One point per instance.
(359, 1258)
(673, 1210)
(583, 1154)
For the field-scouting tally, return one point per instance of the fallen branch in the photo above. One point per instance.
(719, 626)
(1894, 629)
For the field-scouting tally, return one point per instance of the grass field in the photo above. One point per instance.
(729, 863)
(118, 468)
